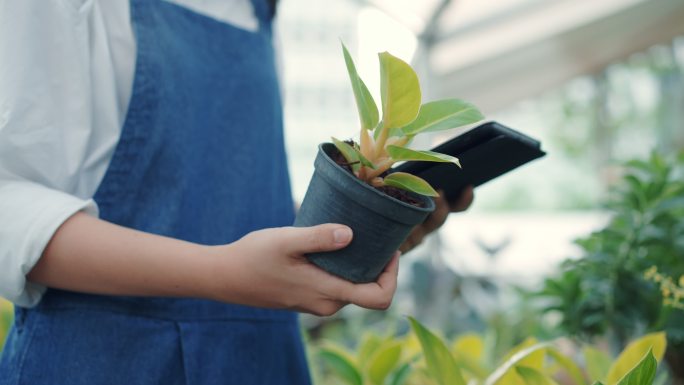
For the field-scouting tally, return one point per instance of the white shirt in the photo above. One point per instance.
(66, 73)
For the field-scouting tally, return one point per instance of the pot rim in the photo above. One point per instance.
(429, 202)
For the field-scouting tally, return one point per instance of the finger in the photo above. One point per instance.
(326, 237)
(378, 294)
(388, 277)
(325, 309)
(464, 200)
(437, 218)
(414, 239)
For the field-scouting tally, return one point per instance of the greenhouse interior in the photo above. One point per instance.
(566, 270)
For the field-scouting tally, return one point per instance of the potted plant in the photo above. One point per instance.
(353, 183)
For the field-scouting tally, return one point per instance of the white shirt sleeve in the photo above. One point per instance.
(45, 127)
(66, 74)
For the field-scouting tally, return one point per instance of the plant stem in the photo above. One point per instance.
(403, 141)
(382, 139)
(380, 168)
(367, 145)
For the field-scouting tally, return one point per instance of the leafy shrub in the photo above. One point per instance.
(422, 357)
(607, 290)
(6, 317)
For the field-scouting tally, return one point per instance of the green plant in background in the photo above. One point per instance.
(422, 357)
(378, 360)
(6, 317)
(672, 292)
(605, 291)
(383, 141)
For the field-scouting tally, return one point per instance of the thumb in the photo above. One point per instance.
(325, 237)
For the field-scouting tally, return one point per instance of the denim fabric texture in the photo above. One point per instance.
(200, 158)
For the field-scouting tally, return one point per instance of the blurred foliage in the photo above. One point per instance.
(605, 290)
(423, 357)
(6, 318)
(589, 124)
(673, 292)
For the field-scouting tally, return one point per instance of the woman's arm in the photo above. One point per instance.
(265, 268)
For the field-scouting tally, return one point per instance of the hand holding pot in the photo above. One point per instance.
(268, 269)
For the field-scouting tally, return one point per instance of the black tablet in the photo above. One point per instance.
(485, 152)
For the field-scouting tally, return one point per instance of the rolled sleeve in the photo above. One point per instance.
(45, 130)
(29, 216)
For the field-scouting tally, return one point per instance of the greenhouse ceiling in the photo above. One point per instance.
(497, 52)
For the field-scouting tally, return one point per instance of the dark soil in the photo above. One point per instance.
(394, 192)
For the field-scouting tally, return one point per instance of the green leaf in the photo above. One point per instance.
(401, 375)
(349, 153)
(410, 182)
(643, 373)
(383, 362)
(468, 350)
(441, 364)
(573, 370)
(633, 353)
(529, 356)
(368, 110)
(443, 115)
(369, 345)
(533, 376)
(533, 358)
(470, 345)
(399, 90)
(363, 159)
(598, 362)
(341, 364)
(403, 153)
(598, 383)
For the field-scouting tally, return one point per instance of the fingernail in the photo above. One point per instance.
(342, 235)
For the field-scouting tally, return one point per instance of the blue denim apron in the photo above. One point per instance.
(200, 158)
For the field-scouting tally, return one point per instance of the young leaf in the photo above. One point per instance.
(533, 376)
(643, 373)
(410, 182)
(368, 110)
(634, 352)
(382, 363)
(349, 153)
(342, 365)
(364, 161)
(440, 362)
(399, 90)
(443, 115)
(403, 153)
(598, 362)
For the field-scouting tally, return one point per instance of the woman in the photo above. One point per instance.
(143, 181)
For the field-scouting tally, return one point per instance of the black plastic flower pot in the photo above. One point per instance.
(380, 223)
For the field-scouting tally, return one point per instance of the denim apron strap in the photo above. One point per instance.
(200, 158)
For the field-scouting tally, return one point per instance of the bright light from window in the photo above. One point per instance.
(377, 33)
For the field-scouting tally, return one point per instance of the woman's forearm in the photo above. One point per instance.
(265, 268)
(87, 254)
